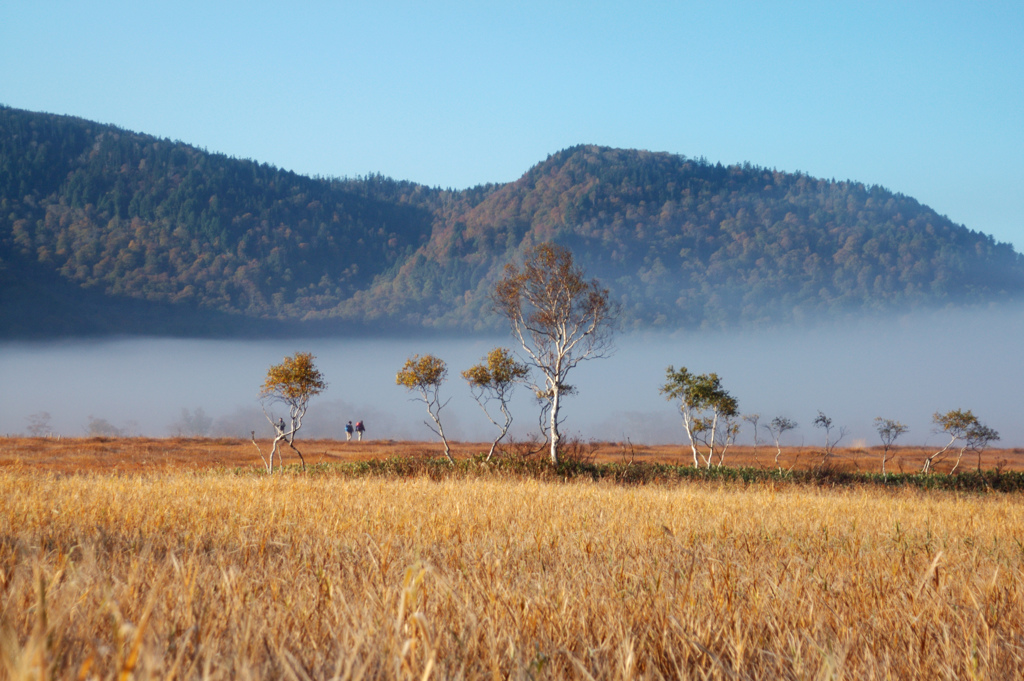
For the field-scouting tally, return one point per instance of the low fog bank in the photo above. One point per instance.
(903, 368)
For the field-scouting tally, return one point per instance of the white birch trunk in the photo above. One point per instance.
(693, 443)
(711, 447)
(931, 459)
(959, 456)
(554, 423)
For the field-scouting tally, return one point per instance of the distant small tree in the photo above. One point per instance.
(425, 375)
(98, 427)
(707, 410)
(192, 424)
(752, 419)
(559, 318)
(494, 380)
(889, 431)
(291, 383)
(39, 424)
(825, 423)
(777, 428)
(956, 424)
(978, 439)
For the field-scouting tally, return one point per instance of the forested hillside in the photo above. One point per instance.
(136, 217)
(103, 229)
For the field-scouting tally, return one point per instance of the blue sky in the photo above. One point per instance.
(926, 99)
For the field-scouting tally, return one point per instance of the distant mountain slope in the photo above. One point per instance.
(135, 220)
(687, 242)
(138, 217)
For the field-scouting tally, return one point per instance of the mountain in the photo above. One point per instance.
(104, 230)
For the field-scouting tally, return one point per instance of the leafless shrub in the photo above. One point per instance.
(521, 449)
(576, 450)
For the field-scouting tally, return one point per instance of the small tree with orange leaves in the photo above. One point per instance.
(494, 379)
(291, 383)
(425, 375)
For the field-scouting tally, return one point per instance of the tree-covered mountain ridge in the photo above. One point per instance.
(105, 230)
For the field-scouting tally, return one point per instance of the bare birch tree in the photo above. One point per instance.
(752, 419)
(777, 427)
(291, 383)
(889, 431)
(978, 439)
(494, 380)
(825, 423)
(559, 318)
(425, 375)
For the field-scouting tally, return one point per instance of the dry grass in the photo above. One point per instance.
(213, 575)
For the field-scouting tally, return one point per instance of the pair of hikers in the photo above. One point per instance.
(359, 428)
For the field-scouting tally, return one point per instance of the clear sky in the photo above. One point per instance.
(925, 99)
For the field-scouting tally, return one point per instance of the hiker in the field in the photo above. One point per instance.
(280, 425)
(359, 430)
(348, 431)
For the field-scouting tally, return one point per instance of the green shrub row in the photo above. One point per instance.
(655, 473)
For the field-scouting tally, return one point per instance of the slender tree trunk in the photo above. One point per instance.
(280, 452)
(957, 464)
(711, 447)
(447, 449)
(268, 465)
(504, 429)
(554, 423)
(301, 458)
(727, 442)
(693, 443)
(440, 431)
(434, 408)
(931, 459)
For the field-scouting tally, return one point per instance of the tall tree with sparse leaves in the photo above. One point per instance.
(560, 318)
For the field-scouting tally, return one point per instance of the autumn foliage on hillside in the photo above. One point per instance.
(93, 213)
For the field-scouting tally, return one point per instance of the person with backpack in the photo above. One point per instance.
(359, 430)
(348, 432)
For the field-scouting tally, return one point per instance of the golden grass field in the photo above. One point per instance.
(177, 570)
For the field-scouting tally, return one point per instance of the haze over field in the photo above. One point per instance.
(904, 368)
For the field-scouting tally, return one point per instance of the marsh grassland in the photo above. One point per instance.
(223, 575)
